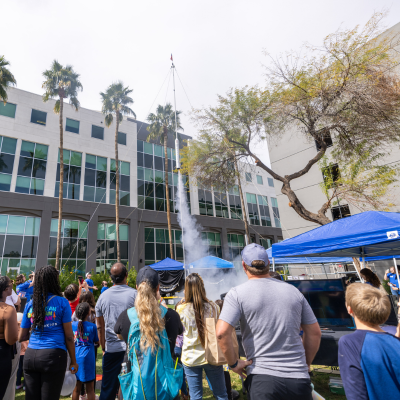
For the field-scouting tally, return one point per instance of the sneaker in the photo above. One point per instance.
(18, 387)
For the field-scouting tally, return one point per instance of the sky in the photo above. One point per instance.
(216, 45)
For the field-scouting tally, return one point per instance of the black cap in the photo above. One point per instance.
(147, 274)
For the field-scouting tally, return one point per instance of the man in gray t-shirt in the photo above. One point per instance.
(109, 306)
(271, 314)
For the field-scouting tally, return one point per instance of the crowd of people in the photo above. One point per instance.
(150, 351)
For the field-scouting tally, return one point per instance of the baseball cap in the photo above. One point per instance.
(147, 274)
(254, 252)
(87, 273)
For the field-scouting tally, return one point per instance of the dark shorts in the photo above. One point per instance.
(267, 387)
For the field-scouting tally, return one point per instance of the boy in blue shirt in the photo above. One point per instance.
(89, 282)
(104, 285)
(369, 358)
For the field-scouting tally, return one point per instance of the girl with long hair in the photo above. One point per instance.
(85, 337)
(46, 323)
(8, 334)
(87, 297)
(193, 312)
(372, 279)
(154, 321)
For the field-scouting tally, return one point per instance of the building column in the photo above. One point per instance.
(133, 242)
(224, 244)
(140, 247)
(44, 238)
(92, 243)
(275, 238)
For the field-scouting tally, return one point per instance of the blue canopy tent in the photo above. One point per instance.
(369, 234)
(308, 260)
(211, 262)
(167, 265)
(171, 274)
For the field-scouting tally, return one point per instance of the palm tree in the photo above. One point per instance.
(6, 79)
(162, 123)
(115, 103)
(62, 82)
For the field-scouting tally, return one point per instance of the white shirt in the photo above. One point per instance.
(12, 300)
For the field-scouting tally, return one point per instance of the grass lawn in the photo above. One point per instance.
(320, 381)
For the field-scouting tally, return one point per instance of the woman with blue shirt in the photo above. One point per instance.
(85, 335)
(24, 287)
(48, 316)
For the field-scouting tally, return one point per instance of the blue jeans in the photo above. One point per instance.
(215, 375)
(178, 353)
(111, 369)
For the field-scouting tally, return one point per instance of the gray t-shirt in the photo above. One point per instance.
(110, 305)
(270, 314)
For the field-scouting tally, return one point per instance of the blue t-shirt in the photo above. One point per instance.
(84, 350)
(24, 287)
(393, 280)
(370, 365)
(52, 336)
(103, 289)
(90, 283)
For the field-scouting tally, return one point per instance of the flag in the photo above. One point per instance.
(172, 58)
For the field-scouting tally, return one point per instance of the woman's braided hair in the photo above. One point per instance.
(46, 282)
(82, 311)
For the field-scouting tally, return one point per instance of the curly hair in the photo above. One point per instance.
(71, 292)
(87, 297)
(4, 283)
(370, 277)
(150, 320)
(82, 311)
(46, 283)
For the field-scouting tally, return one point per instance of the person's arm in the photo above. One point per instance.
(69, 341)
(311, 340)
(101, 332)
(11, 326)
(224, 337)
(385, 277)
(23, 334)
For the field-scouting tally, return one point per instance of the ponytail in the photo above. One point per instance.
(149, 314)
(82, 311)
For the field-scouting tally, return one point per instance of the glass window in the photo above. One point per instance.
(8, 109)
(248, 177)
(275, 211)
(236, 244)
(32, 168)
(212, 241)
(140, 146)
(97, 132)
(148, 148)
(72, 175)
(19, 240)
(122, 138)
(340, 212)
(270, 182)
(252, 209)
(124, 182)
(264, 210)
(259, 180)
(38, 117)
(72, 126)
(7, 155)
(95, 179)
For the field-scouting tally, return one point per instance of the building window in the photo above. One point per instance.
(266, 243)
(38, 117)
(73, 245)
(32, 168)
(236, 244)
(327, 139)
(122, 138)
(95, 179)
(157, 245)
(72, 126)
(18, 244)
(72, 175)
(235, 205)
(213, 242)
(205, 201)
(97, 132)
(124, 183)
(270, 182)
(340, 212)
(259, 179)
(7, 155)
(265, 216)
(221, 205)
(107, 245)
(248, 177)
(253, 209)
(8, 109)
(275, 211)
(331, 175)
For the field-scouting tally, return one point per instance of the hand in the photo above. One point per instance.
(387, 271)
(95, 287)
(104, 353)
(398, 331)
(241, 368)
(73, 368)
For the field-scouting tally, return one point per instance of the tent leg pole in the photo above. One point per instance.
(273, 263)
(396, 269)
(358, 273)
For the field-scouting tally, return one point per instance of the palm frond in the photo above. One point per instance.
(108, 120)
(6, 79)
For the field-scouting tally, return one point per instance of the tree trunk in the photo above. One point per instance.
(117, 187)
(244, 214)
(61, 188)
(171, 246)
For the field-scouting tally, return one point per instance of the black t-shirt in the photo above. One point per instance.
(173, 326)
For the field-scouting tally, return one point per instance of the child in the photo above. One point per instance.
(369, 357)
(104, 285)
(85, 336)
(72, 293)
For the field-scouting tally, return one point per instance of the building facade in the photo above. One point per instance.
(29, 185)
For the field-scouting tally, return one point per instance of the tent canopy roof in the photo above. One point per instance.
(167, 265)
(374, 233)
(308, 260)
(210, 262)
